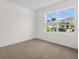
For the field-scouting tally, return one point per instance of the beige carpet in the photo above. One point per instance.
(37, 49)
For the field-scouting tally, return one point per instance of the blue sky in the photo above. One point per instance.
(61, 14)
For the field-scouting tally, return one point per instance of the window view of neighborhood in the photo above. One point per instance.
(61, 21)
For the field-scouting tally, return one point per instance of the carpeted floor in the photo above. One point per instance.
(37, 49)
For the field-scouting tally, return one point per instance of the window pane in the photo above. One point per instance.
(65, 18)
(51, 25)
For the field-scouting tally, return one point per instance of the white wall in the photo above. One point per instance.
(16, 23)
(66, 39)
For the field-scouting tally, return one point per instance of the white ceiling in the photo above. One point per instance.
(34, 4)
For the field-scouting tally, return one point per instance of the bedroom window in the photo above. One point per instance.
(60, 21)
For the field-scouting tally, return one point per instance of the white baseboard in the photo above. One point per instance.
(4, 44)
